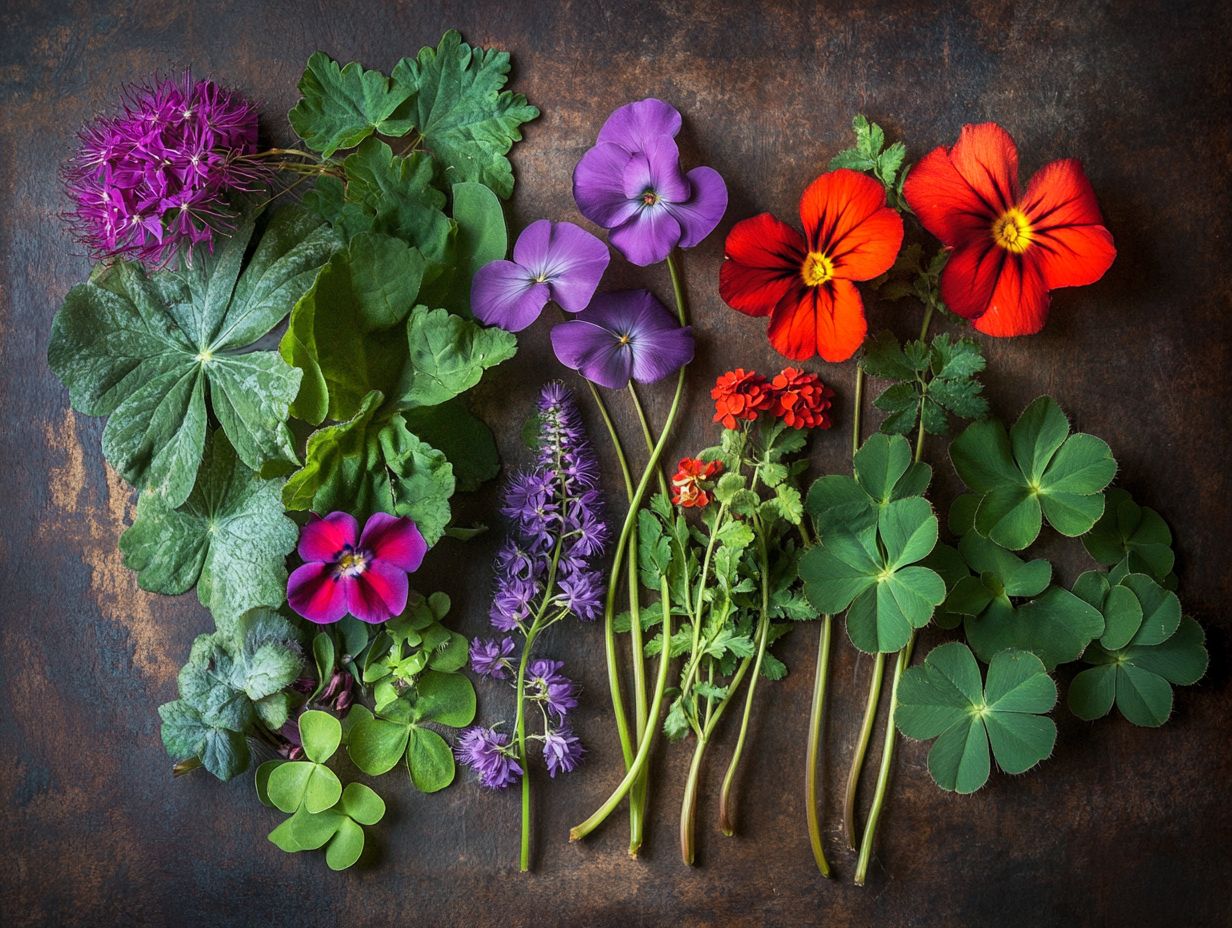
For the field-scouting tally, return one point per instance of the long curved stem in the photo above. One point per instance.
(857, 759)
(519, 727)
(816, 714)
(900, 665)
(726, 817)
(883, 775)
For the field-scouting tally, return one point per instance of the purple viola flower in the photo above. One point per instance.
(490, 754)
(562, 750)
(631, 183)
(551, 261)
(545, 683)
(622, 336)
(158, 178)
(491, 658)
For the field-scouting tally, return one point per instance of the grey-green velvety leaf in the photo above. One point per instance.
(231, 538)
(339, 107)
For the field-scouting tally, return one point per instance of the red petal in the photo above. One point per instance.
(827, 320)
(945, 203)
(987, 158)
(1069, 242)
(1019, 304)
(395, 540)
(316, 593)
(378, 594)
(835, 205)
(970, 276)
(764, 259)
(323, 539)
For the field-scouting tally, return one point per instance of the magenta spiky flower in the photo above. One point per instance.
(157, 177)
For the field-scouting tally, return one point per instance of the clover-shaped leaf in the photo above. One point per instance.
(946, 699)
(1131, 539)
(1147, 647)
(887, 594)
(309, 783)
(1037, 470)
(882, 473)
(337, 828)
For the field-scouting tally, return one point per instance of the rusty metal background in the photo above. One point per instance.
(1122, 827)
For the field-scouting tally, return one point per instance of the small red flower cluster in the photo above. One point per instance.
(687, 489)
(797, 397)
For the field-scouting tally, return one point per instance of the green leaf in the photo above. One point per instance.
(288, 783)
(1056, 627)
(362, 804)
(883, 357)
(944, 699)
(345, 846)
(305, 831)
(448, 355)
(340, 107)
(464, 117)
(320, 734)
(1127, 531)
(466, 440)
(479, 237)
(880, 463)
(1037, 435)
(445, 698)
(981, 455)
(146, 350)
(230, 538)
(429, 760)
(390, 194)
(376, 745)
(322, 790)
(908, 530)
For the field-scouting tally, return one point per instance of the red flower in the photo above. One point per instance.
(740, 394)
(801, 399)
(804, 283)
(1010, 249)
(687, 490)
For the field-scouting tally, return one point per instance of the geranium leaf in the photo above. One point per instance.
(146, 350)
(230, 538)
(448, 355)
(479, 236)
(342, 106)
(466, 440)
(391, 194)
(429, 761)
(457, 105)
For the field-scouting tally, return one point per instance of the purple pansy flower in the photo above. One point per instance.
(346, 571)
(490, 754)
(631, 183)
(491, 658)
(551, 261)
(623, 335)
(562, 750)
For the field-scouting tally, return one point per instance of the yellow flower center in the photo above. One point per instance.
(817, 269)
(352, 563)
(1012, 231)
(650, 198)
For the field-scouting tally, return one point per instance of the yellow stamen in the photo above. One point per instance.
(353, 563)
(1012, 231)
(817, 269)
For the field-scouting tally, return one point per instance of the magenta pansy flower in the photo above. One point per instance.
(346, 571)
(551, 261)
(622, 336)
(631, 183)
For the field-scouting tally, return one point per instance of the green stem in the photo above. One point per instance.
(859, 410)
(857, 759)
(635, 628)
(726, 817)
(883, 775)
(816, 714)
(519, 728)
(900, 665)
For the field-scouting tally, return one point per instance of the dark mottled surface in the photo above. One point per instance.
(1122, 827)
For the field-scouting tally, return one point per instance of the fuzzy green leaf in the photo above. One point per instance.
(339, 107)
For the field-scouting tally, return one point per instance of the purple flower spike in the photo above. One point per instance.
(562, 750)
(551, 261)
(490, 754)
(491, 658)
(631, 183)
(623, 336)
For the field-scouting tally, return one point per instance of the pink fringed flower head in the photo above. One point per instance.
(157, 177)
(346, 571)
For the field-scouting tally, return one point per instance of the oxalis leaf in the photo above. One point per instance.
(148, 349)
(459, 109)
(883, 472)
(1037, 470)
(1131, 538)
(886, 593)
(1146, 648)
(341, 106)
(946, 699)
(230, 538)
